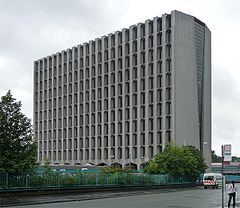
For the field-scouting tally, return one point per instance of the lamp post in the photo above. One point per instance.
(222, 178)
(111, 158)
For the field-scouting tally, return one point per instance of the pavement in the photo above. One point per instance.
(196, 197)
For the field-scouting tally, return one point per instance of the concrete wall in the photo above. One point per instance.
(207, 112)
(185, 92)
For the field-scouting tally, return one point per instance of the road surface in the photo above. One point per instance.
(166, 198)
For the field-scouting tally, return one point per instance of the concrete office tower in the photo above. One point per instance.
(122, 97)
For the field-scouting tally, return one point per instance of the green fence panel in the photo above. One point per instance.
(87, 179)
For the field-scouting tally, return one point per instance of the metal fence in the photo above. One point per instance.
(230, 178)
(13, 182)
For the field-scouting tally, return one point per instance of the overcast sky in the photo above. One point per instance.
(30, 30)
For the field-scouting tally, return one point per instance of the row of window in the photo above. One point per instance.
(85, 74)
(111, 91)
(93, 130)
(100, 142)
(99, 153)
(102, 82)
(112, 41)
(107, 65)
(97, 117)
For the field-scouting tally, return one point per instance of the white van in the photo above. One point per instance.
(212, 180)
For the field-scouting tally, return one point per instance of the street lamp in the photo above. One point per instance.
(111, 158)
(222, 178)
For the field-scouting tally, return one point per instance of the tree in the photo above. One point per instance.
(235, 159)
(116, 168)
(17, 148)
(177, 161)
(216, 158)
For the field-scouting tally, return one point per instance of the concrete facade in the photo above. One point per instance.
(122, 97)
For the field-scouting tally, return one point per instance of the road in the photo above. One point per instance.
(166, 198)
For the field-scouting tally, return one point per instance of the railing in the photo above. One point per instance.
(230, 178)
(47, 181)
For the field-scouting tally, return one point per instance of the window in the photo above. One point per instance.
(127, 101)
(142, 139)
(119, 89)
(112, 103)
(105, 104)
(168, 37)
(112, 90)
(127, 127)
(134, 113)
(150, 55)
(150, 41)
(142, 30)
(119, 76)
(168, 94)
(112, 116)
(127, 62)
(150, 27)
(127, 75)
(150, 83)
(106, 55)
(119, 102)
(159, 24)
(134, 46)
(142, 98)
(127, 88)
(134, 126)
(159, 39)
(150, 138)
(142, 71)
(150, 69)
(142, 112)
(159, 137)
(126, 35)
(150, 97)
(127, 142)
(119, 115)
(119, 64)
(159, 109)
(168, 80)
(127, 49)
(150, 125)
(112, 40)
(99, 45)
(134, 139)
(159, 81)
(119, 128)
(112, 53)
(134, 73)
(134, 86)
(142, 58)
(168, 51)
(127, 114)
(134, 99)
(142, 85)
(134, 33)
(120, 51)
(159, 67)
(105, 42)
(142, 44)
(119, 38)
(159, 95)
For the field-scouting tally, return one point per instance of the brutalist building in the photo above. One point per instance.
(123, 97)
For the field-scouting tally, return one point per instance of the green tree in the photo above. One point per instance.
(176, 160)
(235, 159)
(116, 168)
(216, 158)
(17, 148)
